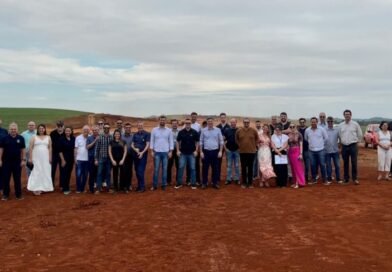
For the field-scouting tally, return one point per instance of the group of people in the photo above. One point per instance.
(105, 159)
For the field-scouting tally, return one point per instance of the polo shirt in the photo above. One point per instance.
(229, 135)
(187, 140)
(3, 133)
(140, 139)
(81, 145)
(12, 147)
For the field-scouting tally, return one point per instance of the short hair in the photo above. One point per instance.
(173, 120)
(162, 116)
(258, 121)
(106, 124)
(283, 113)
(127, 124)
(349, 111)
(13, 124)
(204, 123)
(222, 114)
(301, 119)
(329, 118)
(187, 119)
(194, 113)
(314, 118)
(210, 118)
(279, 126)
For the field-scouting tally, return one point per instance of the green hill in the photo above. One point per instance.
(23, 115)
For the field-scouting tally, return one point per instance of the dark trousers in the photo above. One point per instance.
(92, 174)
(220, 164)
(281, 172)
(65, 175)
(350, 151)
(247, 160)
(127, 171)
(173, 161)
(55, 162)
(210, 159)
(14, 169)
(118, 177)
(1, 178)
(140, 169)
(197, 169)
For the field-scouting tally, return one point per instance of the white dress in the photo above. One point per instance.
(40, 178)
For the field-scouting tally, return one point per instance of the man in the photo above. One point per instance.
(140, 145)
(247, 139)
(187, 149)
(56, 138)
(390, 129)
(256, 161)
(92, 168)
(196, 126)
(284, 123)
(127, 137)
(100, 126)
(12, 159)
(316, 137)
(81, 155)
(223, 125)
(350, 135)
(274, 123)
(305, 147)
(174, 158)
(119, 126)
(211, 145)
(232, 153)
(332, 150)
(27, 135)
(102, 159)
(3, 133)
(322, 123)
(161, 146)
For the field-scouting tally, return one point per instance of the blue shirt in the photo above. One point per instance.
(140, 139)
(161, 139)
(128, 141)
(316, 138)
(332, 143)
(3, 133)
(27, 135)
(91, 151)
(211, 139)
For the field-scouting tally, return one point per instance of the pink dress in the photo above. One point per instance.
(297, 167)
(264, 157)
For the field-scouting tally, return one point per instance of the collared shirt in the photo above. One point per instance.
(12, 147)
(247, 139)
(316, 138)
(91, 151)
(3, 133)
(223, 127)
(175, 134)
(81, 146)
(140, 139)
(161, 139)
(127, 138)
(27, 135)
(350, 133)
(56, 140)
(332, 144)
(187, 140)
(196, 126)
(102, 147)
(322, 125)
(229, 135)
(305, 144)
(211, 139)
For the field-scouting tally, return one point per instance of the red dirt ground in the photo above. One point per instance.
(317, 228)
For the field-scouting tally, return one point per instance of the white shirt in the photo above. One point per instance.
(279, 140)
(196, 126)
(82, 152)
(350, 133)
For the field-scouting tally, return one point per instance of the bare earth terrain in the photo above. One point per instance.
(317, 228)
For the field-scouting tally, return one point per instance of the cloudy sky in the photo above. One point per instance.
(254, 58)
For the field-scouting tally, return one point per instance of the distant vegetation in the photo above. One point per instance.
(46, 116)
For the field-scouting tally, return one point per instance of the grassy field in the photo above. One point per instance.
(23, 115)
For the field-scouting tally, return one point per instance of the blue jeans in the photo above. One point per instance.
(82, 168)
(187, 160)
(160, 158)
(233, 160)
(104, 168)
(336, 162)
(140, 168)
(317, 158)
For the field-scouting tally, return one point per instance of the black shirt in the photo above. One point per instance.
(187, 140)
(272, 129)
(12, 147)
(117, 150)
(223, 127)
(285, 126)
(305, 143)
(3, 133)
(56, 141)
(67, 148)
(229, 135)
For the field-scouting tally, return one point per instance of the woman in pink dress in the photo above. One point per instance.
(295, 156)
(264, 156)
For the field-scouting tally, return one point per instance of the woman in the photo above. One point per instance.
(279, 144)
(264, 156)
(67, 145)
(384, 151)
(295, 143)
(40, 157)
(117, 154)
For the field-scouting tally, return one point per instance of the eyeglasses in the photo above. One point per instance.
(291, 126)
(330, 121)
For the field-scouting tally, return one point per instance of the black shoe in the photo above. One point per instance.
(215, 186)
(163, 188)
(228, 182)
(188, 183)
(204, 186)
(19, 198)
(237, 182)
(140, 191)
